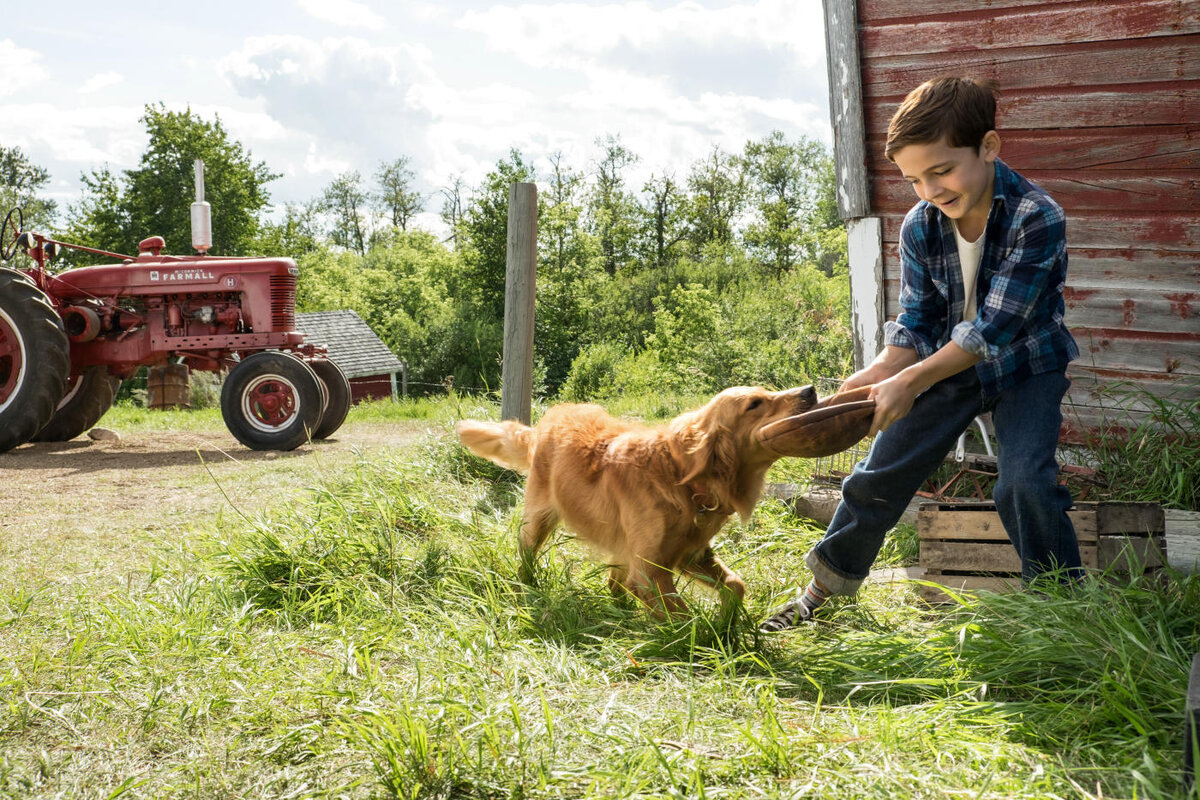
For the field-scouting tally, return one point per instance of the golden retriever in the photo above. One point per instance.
(651, 499)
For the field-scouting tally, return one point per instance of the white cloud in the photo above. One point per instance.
(100, 81)
(19, 67)
(346, 13)
(355, 99)
(575, 34)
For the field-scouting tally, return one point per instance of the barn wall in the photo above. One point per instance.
(370, 387)
(1099, 104)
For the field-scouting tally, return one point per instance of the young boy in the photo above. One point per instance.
(983, 263)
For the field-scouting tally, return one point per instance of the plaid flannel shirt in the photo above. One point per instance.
(1019, 329)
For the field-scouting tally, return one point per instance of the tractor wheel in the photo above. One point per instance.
(335, 391)
(34, 359)
(88, 397)
(271, 401)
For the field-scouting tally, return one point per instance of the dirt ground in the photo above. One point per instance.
(84, 508)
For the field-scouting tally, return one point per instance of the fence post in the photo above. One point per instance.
(404, 379)
(516, 375)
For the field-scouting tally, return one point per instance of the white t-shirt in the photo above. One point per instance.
(969, 255)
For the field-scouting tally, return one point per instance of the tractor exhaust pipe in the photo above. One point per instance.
(201, 215)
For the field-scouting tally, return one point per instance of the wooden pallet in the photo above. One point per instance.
(965, 546)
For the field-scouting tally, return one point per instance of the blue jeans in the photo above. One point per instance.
(1032, 506)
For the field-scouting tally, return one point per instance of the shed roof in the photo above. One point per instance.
(352, 344)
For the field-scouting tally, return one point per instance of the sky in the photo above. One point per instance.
(315, 88)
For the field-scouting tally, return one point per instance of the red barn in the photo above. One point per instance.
(1099, 104)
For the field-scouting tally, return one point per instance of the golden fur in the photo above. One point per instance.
(651, 499)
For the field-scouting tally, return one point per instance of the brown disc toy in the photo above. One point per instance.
(835, 424)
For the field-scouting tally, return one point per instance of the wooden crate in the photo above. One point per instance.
(965, 546)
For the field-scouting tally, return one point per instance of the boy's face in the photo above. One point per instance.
(958, 180)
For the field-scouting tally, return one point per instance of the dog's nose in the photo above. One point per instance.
(808, 394)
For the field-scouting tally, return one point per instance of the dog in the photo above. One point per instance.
(651, 499)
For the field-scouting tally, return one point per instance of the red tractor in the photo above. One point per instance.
(68, 339)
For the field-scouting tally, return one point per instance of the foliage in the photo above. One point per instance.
(344, 201)
(116, 213)
(22, 183)
(396, 198)
(1148, 447)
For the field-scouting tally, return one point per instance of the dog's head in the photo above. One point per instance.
(719, 438)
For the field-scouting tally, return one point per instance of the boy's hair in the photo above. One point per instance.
(961, 109)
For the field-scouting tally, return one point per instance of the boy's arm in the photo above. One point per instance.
(894, 395)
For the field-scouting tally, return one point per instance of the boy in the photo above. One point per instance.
(983, 263)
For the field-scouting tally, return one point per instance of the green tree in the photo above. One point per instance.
(21, 184)
(787, 183)
(664, 220)
(717, 186)
(614, 209)
(156, 197)
(345, 202)
(396, 198)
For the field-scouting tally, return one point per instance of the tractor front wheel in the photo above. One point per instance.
(335, 391)
(89, 396)
(34, 359)
(271, 401)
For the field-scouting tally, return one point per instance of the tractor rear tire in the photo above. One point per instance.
(34, 359)
(271, 401)
(89, 396)
(335, 390)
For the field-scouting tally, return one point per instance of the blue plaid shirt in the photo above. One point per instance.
(1019, 329)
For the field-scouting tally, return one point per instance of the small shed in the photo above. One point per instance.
(369, 365)
(1100, 105)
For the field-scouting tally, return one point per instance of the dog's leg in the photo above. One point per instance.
(536, 524)
(618, 578)
(654, 585)
(729, 586)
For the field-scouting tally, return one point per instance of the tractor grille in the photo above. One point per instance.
(283, 303)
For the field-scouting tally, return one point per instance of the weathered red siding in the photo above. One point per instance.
(370, 387)
(1099, 104)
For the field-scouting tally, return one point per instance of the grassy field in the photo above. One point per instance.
(371, 640)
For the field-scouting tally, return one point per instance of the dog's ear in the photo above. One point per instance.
(701, 444)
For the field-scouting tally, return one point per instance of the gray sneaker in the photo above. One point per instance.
(787, 616)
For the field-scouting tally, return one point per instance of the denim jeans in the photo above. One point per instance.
(1031, 504)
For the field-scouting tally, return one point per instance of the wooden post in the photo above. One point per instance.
(516, 376)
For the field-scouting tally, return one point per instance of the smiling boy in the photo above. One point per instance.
(983, 264)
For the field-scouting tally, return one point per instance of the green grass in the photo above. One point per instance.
(373, 641)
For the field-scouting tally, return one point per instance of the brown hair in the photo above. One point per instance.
(961, 109)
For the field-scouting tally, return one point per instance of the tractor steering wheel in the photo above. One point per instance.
(8, 248)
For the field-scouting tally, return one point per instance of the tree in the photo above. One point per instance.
(452, 208)
(345, 201)
(786, 179)
(156, 197)
(613, 207)
(665, 220)
(718, 195)
(21, 184)
(396, 197)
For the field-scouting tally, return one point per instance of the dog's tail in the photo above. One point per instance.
(507, 443)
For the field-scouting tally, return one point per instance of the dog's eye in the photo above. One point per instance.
(755, 403)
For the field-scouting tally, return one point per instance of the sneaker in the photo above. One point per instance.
(786, 616)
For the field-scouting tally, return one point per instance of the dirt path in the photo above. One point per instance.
(75, 509)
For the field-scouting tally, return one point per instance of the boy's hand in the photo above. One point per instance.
(893, 398)
(887, 364)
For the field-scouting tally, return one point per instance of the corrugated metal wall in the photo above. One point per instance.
(1099, 104)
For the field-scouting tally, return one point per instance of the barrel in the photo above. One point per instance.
(168, 387)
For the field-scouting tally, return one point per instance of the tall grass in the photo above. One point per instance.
(1148, 447)
(373, 641)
